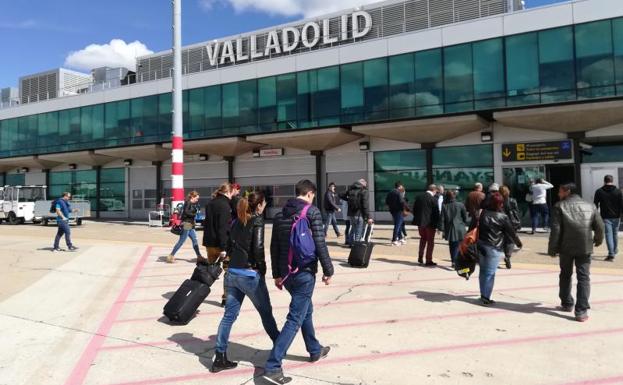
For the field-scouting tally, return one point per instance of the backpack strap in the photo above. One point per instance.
(302, 215)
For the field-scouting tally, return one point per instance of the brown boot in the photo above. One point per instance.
(170, 258)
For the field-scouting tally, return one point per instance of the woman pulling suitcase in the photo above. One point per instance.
(189, 212)
(245, 276)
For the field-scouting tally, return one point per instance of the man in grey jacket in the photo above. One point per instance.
(573, 223)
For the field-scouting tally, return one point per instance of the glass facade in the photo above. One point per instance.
(112, 189)
(15, 180)
(406, 166)
(600, 154)
(82, 184)
(562, 64)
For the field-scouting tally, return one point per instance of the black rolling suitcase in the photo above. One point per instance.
(184, 304)
(361, 251)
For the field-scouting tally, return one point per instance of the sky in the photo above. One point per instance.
(38, 35)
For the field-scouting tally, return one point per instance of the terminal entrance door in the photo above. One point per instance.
(558, 174)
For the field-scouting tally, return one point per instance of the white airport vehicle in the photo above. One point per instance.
(18, 203)
(81, 209)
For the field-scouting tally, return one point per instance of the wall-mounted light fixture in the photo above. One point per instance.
(127, 162)
(203, 157)
(364, 146)
(24, 170)
(486, 136)
(256, 153)
(72, 166)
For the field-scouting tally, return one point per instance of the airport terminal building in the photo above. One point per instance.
(421, 91)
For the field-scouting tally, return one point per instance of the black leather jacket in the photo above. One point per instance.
(216, 223)
(572, 222)
(495, 229)
(280, 242)
(246, 245)
(189, 212)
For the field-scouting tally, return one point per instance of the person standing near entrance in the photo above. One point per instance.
(189, 212)
(609, 201)
(358, 209)
(539, 203)
(576, 227)
(511, 209)
(474, 200)
(299, 283)
(426, 218)
(395, 203)
(216, 228)
(331, 206)
(63, 211)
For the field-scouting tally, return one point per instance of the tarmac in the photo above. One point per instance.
(95, 317)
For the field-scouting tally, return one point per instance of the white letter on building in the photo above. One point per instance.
(228, 52)
(357, 33)
(289, 46)
(306, 42)
(272, 43)
(254, 53)
(240, 55)
(213, 52)
(344, 27)
(326, 33)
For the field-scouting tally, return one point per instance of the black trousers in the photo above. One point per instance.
(582, 269)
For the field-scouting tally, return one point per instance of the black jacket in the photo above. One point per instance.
(233, 203)
(394, 201)
(426, 211)
(189, 212)
(573, 223)
(495, 229)
(331, 201)
(609, 200)
(246, 245)
(280, 242)
(216, 223)
(453, 221)
(357, 198)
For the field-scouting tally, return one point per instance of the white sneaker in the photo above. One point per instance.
(396, 243)
(403, 241)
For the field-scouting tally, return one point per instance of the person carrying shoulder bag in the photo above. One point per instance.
(189, 212)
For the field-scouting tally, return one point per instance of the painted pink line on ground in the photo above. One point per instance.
(81, 369)
(378, 283)
(386, 355)
(598, 381)
(188, 273)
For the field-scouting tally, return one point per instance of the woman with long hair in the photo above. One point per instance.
(246, 275)
(216, 225)
(189, 212)
(495, 231)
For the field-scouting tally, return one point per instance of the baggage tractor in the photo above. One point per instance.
(361, 251)
(182, 307)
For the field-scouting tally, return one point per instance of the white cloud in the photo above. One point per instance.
(306, 8)
(117, 53)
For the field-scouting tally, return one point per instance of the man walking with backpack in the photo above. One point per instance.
(609, 201)
(296, 247)
(358, 209)
(62, 208)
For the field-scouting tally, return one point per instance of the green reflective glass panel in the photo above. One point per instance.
(522, 66)
(214, 113)
(415, 179)
(15, 179)
(556, 65)
(604, 154)
(351, 76)
(231, 105)
(165, 115)
(594, 59)
(458, 73)
(488, 58)
(428, 82)
(399, 160)
(196, 111)
(617, 39)
(463, 156)
(286, 101)
(112, 175)
(375, 83)
(267, 102)
(60, 177)
(463, 178)
(248, 106)
(402, 86)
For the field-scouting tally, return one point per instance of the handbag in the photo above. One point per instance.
(469, 254)
(207, 273)
(177, 229)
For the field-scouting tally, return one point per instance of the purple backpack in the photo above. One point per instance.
(302, 250)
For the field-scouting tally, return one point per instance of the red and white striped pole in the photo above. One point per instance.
(177, 154)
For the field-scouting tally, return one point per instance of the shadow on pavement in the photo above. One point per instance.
(163, 259)
(205, 350)
(526, 308)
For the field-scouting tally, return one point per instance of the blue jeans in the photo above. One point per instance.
(237, 287)
(540, 211)
(454, 250)
(489, 261)
(301, 288)
(356, 229)
(331, 220)
(399, 222)
(185, 235)
(612, 236)
(63, 228)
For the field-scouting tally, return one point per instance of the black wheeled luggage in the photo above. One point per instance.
(361, 251)
(182, 307)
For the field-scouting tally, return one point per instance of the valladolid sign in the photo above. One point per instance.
(289, 38)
